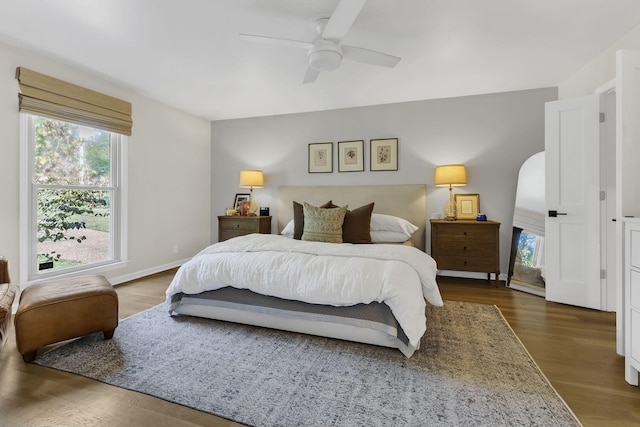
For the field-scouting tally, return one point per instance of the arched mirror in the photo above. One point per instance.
(526, 263)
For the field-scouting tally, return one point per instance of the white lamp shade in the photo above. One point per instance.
(450, 176)
(251, 179)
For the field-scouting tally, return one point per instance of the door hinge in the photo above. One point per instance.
(603, 195)
(603, 274)
(602, 117)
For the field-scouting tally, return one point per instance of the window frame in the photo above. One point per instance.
(29, 211)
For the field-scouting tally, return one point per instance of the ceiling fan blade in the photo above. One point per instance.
(342, 19)
(275, 41)
(311, 75)
(367, 56)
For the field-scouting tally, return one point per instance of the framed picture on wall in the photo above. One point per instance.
(467, 205)
(384, 154)
(321, 157)
(351, 156)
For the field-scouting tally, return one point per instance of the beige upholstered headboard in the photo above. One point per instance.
(408, 201)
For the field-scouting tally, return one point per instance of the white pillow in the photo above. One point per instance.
(380, 222)
(388, 237)
(392, 229)
(288, 230)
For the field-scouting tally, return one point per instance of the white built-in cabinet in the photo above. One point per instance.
(628, 209)
(632, 298)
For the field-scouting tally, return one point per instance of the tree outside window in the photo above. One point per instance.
(72, 182)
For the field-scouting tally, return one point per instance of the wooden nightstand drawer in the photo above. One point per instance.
(238, 225)
(234, 226)
(462, 263)
(462, 231)
(466, 247)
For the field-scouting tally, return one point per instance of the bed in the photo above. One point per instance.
(370, 293)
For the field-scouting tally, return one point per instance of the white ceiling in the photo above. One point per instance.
(186, 53)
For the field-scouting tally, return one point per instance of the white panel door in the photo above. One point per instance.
(573, 202)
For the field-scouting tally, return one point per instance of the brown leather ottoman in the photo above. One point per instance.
(61, 309)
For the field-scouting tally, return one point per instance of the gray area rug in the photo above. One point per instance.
(471, 370)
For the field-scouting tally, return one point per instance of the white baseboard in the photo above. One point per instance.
(147, 272)
(122, 279)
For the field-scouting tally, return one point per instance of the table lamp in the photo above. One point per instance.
(450, 176)
(251, 179)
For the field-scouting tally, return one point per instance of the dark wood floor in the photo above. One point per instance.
(574, 347)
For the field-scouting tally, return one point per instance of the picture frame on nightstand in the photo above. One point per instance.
(240, 197)
(467, 206)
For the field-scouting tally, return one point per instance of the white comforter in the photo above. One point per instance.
(318, 273)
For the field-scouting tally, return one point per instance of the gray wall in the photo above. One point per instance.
(491, 134)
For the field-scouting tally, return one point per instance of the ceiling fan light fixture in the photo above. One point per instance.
(326, 51)
(325, 56)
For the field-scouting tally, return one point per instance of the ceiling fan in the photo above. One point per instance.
(325, 52)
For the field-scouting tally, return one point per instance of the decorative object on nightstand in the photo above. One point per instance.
(467, 206)
(466, 245)
(251, 179)
(450, 176)
(234, 226)
(237, 203)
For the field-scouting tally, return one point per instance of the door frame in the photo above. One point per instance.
(611, 230)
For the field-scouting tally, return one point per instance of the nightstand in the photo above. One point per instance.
(234, 226)
(466, 246)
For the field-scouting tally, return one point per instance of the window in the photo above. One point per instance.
(74, 204)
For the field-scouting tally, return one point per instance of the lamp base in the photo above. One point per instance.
(449, 213)
(253, 207)
(450, 208)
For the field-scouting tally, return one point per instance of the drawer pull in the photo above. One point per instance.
(465, 263)
(237, 225)
(464, 249)
(464, 232)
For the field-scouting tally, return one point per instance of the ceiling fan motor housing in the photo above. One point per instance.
(324, 55)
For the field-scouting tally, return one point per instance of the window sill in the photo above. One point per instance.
(96, 269)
